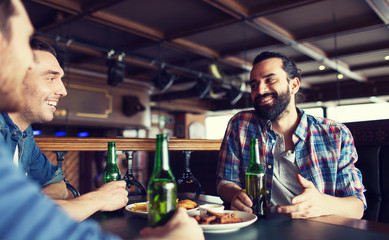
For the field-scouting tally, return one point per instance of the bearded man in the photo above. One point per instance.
(309, 161)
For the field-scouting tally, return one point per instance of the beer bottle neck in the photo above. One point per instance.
(162, 155)
(111, 154)
(254, 153)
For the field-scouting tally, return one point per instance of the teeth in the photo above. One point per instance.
(52, 103)
(266, 99)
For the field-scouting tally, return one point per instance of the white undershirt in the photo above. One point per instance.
(16, 156)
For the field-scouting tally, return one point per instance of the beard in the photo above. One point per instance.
(272, 111)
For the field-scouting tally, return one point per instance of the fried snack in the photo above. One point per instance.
(139, 207)
(188, 204)
(218, 218)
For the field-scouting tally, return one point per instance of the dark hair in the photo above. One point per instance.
(288, 64)
(40, 45)
(7, 9)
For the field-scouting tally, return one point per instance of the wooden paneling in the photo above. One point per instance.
(70, 166)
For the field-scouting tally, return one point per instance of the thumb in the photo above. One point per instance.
(304, 182)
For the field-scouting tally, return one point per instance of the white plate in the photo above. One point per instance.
(144, 214)
(248, 219)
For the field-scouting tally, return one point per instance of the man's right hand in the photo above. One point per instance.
(113, 194)
(180, 226)
(235, 195)
(241, 201)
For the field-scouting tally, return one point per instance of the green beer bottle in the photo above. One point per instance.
(111, 171)
(162, 187)
(255, 181)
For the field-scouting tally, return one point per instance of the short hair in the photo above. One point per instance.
(40, 45)
(288, 64)
(7, 10)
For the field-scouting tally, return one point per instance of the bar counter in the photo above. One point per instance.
(274, 226)
(128, 144)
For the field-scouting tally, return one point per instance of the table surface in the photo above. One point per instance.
(274, 226)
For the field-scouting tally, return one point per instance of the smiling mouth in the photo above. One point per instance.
(51, 103)
(265, 99)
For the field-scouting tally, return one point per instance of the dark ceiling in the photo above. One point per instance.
(184, 37)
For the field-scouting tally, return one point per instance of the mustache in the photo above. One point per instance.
(259, 96)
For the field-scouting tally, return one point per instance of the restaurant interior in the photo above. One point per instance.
(134, 69)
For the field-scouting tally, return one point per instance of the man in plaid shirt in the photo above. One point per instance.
(309, 161)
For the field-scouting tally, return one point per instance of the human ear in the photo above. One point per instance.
(295, 85)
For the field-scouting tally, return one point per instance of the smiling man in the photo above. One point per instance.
(43, 88)
(309, 161)
(25, 212)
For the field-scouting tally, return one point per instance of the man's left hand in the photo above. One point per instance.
(310, 203)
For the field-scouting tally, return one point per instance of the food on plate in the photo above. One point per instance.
(218, 218)
(188, 204)
(139, 207)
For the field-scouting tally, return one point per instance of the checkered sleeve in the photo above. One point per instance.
(349, 178)
(229, 156)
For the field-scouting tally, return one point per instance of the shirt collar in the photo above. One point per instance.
(302, 128)
(14, 128)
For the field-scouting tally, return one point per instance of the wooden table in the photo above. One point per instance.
(274, 226)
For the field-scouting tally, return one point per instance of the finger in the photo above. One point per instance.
(299, 198)
(304, 182)
(288, 209)
(238, 205)
(244, 198)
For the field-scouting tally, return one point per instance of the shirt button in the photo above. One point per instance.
(269, 166)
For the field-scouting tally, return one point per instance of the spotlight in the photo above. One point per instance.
(164, 80)
(202, 87)
(234, 95)
(116, 69)
(37, 132)
(83, 134)
(60, 134)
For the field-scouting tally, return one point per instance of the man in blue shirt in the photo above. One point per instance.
(15, 127)
(25, 212)
(43, 87)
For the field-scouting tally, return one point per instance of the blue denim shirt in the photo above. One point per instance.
(31, 160)
(27, 214)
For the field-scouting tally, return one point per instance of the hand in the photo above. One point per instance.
(310, 203)
(180, 226)
(113, 195)
(241, 201)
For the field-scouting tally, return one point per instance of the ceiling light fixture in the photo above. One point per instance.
(116, 69)
(386, 58)
(322, 67)
(340, 76)
(164, 79)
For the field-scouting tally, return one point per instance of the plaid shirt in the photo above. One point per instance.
(325, 153)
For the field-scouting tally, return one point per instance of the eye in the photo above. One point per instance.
(51, 79)
(271, 79)
(253, 85)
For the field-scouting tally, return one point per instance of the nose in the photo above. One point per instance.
(262, 88)
(61, 89)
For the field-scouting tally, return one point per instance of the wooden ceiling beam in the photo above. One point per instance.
(109, 19)
(275, 8)
(273, 30)
(69, 6)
